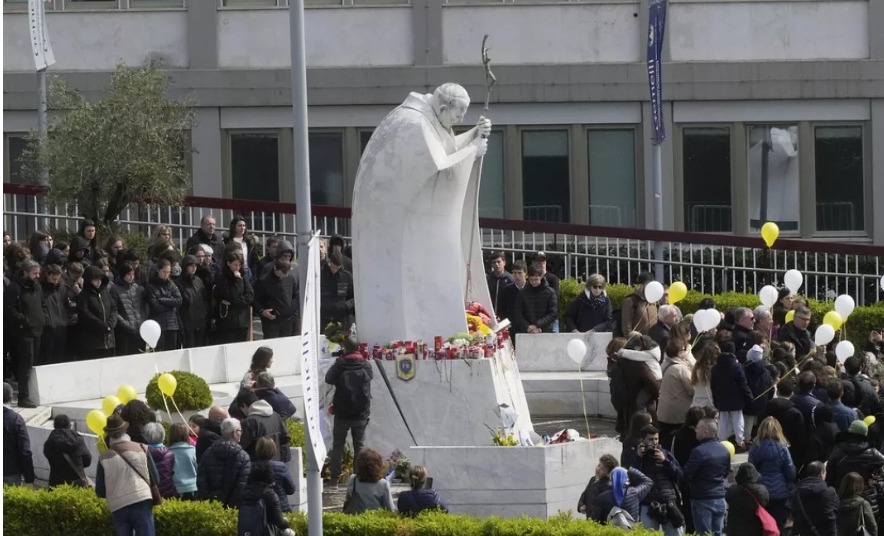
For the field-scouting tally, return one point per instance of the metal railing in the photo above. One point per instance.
(708, 263)
(12, 6)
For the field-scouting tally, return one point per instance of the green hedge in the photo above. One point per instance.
(191, 394)
(78, 512)
(859, 324)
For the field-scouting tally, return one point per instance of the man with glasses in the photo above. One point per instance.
(667, 316)
(796, 332)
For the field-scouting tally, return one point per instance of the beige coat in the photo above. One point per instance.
(636, 314)
(676, 391)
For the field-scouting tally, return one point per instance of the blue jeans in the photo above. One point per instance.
(555, 326)
(708, 515)
(136, 517)
(12, 480)
(650, 523)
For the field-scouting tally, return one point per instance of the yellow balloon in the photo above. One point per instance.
(126, 393)
(730, 447)
(790, 316)
(870, 420)
(833, 319)
(109, 404)
(167, 384)
(770, 232)
(96, 421)
(677, 292)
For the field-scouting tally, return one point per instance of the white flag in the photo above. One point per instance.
(43, 56)
(310, 352)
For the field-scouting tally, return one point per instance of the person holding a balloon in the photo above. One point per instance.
(638, 312)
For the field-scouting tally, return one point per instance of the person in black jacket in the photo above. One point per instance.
(131, 310)
(66, 453)
(628, 490)
(498, 278)
(591, 311)
(536, 305)
(796, 332)
(262, 421)
(506, 299)
(730, 392)
(790, 418)
(853, 453)
(18, 462)
(233, 296)
(601, 481)
(707, 469)
(164, 301)
(804, 399)
(52, 343)
(743, 499)
(336, 295)
(276, 300)
(659, 509)
(253, 518)
(814, 504)
(209, 429)
(760, 383)
(351, 375)
(206, 235)
(419, 498)
(194, 304)
(97, 316)
(224, 468)
(28, 312)
(265, 389)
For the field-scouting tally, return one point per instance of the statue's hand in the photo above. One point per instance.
(484, 126)
(481, 145)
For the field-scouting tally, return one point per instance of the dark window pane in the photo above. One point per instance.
(15, 148)
(364, 136)
(254, 163)
(491, 190)
(327, 168)
(838, 155)
(611, 177)
(773, 176)
(545, 174)
(707, 179)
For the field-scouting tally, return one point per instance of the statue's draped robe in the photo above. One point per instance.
(415, 221)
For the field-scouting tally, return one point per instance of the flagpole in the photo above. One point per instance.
(656, 28)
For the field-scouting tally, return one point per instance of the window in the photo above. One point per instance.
(326, 168)
(254, 165)
(364, 136)
(773, 176)
(611, 177)
(545, 175)
(15, 147)
(838, 156)
(491, 189)
(706, 153)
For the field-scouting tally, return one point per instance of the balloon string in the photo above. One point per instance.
(583, 398)
(786, 375)
(166, 403)
(186, 423)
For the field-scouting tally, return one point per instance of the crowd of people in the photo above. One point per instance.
(84, 300)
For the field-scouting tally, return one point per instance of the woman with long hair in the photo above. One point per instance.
(237, 238)
(639, 420)
(419, 497)
(160, 241)
(706, 354)
(261, 361)
(367, 488)
(853, 510)
(676, 389)
(770, 454)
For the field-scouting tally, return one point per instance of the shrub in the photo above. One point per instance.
(192, 393)
(78, 512)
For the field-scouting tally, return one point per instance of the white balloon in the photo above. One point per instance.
(793, 280)
(653, 291)
(768, 295)
(713, 319)
(576, 350)
(824, 335)
(698, 320)
(882, 282)
(844, 350)
(844, 305)
(150, 332)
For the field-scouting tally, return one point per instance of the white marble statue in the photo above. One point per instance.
(415, 223)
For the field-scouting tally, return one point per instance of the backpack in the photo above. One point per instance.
(620, 518)
(252, 520)
(356, 385)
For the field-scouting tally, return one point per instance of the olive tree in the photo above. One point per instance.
(130, 146)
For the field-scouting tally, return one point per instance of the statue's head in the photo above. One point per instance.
(450, 102)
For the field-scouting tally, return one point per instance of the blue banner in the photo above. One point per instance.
(656, 27)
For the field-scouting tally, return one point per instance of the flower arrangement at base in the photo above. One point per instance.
(478, 319)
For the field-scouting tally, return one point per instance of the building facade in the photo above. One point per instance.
(774, 108)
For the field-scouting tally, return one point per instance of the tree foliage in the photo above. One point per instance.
(128, 147)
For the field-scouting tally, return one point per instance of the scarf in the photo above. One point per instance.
(618, 484)
(651, 358)
(595, 302)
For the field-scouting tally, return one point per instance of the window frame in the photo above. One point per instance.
(638, 164)
(227, 151)
(868, 220)
(345, 182)
(570, 132)
(679, 179)
(7, 161)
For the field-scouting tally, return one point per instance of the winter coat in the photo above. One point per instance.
(351, 375)
(79, 245)
(778, 314)
(805, 404)
(799, 337)
(665, 475)
(283, 484)
(852, 453)
(535, 306)
(261, 422)
(413, 502)
(194, 302)
(164, 459)
(585, 503)
(585, 314)
(251, 520)
(759, 380)
(821, 442)
(843, 415)
(638, 488)
(707, 469)
(222, 473)
(337, 301)
(17, 456)
(164, 300)
(730, 390)
(373, 495)
(213, 241)
(636, 314)
(238, 292)
(28, 309)
(684, 441)
(61, 442)
(741, 507)
(205, 439)
(280, 403)
(792, 421)
(131, 306)
(676, 391)
(496, 283)
(279, 294)
(96, 313)
(57, 307)
(819, 502)
(741, 342)
(185, 467)
(506, 302)
(659, 333)
(849, 513)
(642, 373)
(773, 461)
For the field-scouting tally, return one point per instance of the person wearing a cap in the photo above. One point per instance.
(124, 473)
(853, 453)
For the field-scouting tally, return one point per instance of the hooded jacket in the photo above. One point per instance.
(63, 441)
(730, 390)
(280, 403)
(80, 244)
(277, 293)
(97, 312)
(131, 305)
(237, 291)
(741, 500)
(852, 453)
(351, 375)
(773, 461)
(263, 421)
(267, 263)
(814, 499)
(223, 472)
(164, 300)
(57, 310)
(641, 376)
(194, 298)
(535, 306)
(849, 513)
(283, 484)
(628, 499)
(28, 309)
(676, 391)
